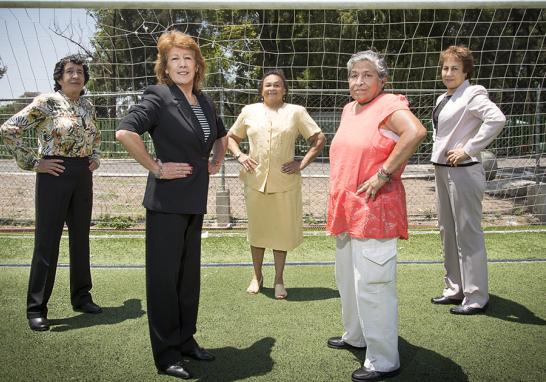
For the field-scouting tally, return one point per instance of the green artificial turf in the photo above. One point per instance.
(257, 338)
(17, 248)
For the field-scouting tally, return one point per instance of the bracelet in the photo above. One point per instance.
(238, 155)
(35, 165)
(383, 175)
(159, 172)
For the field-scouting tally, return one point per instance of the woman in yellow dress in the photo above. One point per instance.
(272, 175)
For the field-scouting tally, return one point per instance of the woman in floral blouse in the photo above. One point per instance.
(68, 153)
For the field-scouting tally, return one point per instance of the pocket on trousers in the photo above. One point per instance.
(379, 259)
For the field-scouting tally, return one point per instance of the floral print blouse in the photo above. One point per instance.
(63, 127)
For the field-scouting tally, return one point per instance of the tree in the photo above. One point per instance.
(312, 45)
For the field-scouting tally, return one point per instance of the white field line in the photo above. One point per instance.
(207, 234)
(271, 264)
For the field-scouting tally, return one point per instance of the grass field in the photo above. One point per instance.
(257, 338)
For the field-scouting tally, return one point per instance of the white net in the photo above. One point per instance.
(312, 48)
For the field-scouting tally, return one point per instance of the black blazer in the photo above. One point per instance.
(166, 115)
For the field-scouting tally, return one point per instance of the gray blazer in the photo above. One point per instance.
(469, 120)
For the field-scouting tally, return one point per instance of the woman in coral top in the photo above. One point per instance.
(367, 212)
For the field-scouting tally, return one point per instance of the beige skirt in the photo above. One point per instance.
(274, 220)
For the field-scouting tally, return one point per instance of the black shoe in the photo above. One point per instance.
(443, 300)
(364, 374)
(88, 307)
(176, 370)
(39, 324)
(199, 354)
(338, 343)
(467, 310)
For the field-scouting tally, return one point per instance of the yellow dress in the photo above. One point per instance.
(273, 199)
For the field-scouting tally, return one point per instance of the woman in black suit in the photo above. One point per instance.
(185, 129)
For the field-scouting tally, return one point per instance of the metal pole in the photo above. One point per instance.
(223, 168)
(537, 137)
(274, 4)
(223, 210)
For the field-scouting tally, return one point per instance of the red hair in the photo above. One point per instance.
(166, 42)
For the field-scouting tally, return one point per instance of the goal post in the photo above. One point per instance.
(311, 42)
(279, 4)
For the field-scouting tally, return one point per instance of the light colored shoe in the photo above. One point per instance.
(255, 286)
(280, 292)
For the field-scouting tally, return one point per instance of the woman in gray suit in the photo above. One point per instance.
(185, 129)
(465, 123)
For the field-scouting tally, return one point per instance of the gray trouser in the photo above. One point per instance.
(459, 192)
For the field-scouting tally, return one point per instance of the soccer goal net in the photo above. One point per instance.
(312, 47)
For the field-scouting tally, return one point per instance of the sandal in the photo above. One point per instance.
(280, 292)
(255, 286)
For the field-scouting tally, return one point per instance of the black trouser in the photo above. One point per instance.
(173, 264)
(59, 199)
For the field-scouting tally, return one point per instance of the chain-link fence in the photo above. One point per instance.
(516, 188)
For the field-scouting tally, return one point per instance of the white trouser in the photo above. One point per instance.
(366, 279)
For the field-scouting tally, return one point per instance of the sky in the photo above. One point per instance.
(30, 48)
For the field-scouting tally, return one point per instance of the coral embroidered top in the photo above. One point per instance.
(358, 150)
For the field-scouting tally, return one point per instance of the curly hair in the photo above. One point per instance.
(58, 72)
(166, 42)
(461, 53)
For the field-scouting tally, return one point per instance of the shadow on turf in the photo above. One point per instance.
(509, 310)
(234, 364)
(420, 364)
(304, 294)
(231, 364)
(130, 309)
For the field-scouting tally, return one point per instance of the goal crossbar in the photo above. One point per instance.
(277, 4)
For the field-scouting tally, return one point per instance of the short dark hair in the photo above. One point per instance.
(77, 59)
(461, 53)
(271, 72)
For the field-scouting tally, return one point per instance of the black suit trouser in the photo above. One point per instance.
(173, 264)
(59, 199)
